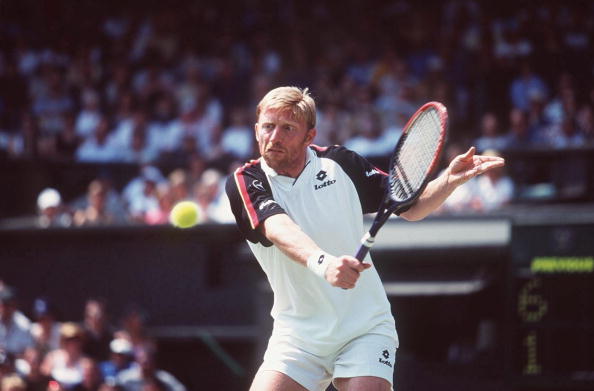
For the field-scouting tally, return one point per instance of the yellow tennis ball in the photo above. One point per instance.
(184, 214)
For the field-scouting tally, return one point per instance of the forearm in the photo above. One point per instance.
(432, 197)
(285, 234)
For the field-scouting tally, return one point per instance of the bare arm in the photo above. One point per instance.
(461, 169)
(281, 230)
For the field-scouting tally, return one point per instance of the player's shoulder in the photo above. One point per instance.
(332, 151)
(247, 172)
(338, 153)
(252, 168)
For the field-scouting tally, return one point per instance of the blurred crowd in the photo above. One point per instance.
(43, 353)
(172, 87)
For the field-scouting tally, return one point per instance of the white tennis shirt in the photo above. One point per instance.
(327, 201)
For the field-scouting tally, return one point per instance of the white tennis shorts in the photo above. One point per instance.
(367, 355)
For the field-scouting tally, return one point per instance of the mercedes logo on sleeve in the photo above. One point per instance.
(258, 185)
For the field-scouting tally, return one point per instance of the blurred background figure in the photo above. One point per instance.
(98, 209)
(52, 212)
(46, 329)
(133, 328)
(65, 364)
(238, 138)
(91, 376)
(490, 138)
(145, 372)
(15, 328)
(29, 368)
(120, 358)
(12, 382)
(97, 329)
(494, 190)
(6, 364)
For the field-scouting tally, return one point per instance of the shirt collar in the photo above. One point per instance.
(309, 154)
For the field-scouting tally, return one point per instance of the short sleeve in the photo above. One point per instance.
(251, 201)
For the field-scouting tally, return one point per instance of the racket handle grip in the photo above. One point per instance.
(362, 252)
(366, 244)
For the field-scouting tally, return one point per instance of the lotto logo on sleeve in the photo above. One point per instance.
(385, 358)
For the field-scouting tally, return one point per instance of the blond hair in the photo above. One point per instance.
(293, 99)
(12, 382)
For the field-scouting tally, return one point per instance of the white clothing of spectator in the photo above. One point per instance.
(140, 194)
(143, 371)
(238, 137)
(99, 147)
(90, 116)
(15, 328)
(493, 193)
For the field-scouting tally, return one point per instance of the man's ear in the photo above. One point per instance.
(256, 132)
(310, 136)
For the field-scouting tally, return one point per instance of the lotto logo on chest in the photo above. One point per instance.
(322, 177)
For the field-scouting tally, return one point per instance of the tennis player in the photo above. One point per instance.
(301, 209)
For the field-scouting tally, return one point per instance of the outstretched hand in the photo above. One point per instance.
(466, 166)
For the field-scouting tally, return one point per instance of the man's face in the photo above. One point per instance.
(282, 140)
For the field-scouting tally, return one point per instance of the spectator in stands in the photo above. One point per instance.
(99, 146)
(15, 328)
(139, 151)
(123, 135)
(145, 371)
(332, 121)
(120, 359)
(136, 188)
(90, 115)
(519, 135)
(526, 86)
(98, 332)
(51, 210)
(556, 109)
(97, 210)
(163, 131)
(238, 137)
(179, 184)
(91, 376)
(26, 144)
(160, 213)
(51, 102)
(493, 190)
(46, 329)
(65, 365)
(462, 199)
(369, 140)
(67, 141)
(565, 135)
(6, 363)
(207, 191)
(585, 120)
(29, 368)
(13, 383)
(490, 137)
(133, 328)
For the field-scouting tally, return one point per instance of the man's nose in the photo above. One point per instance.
(276, 134)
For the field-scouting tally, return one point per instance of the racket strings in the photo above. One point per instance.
(416, 154)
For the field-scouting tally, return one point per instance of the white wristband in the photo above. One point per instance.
(318, 263)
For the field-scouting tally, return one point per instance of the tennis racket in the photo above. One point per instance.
(412, 163)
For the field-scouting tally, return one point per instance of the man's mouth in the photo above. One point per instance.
(275, 150)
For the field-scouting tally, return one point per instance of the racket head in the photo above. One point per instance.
(417, 154)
